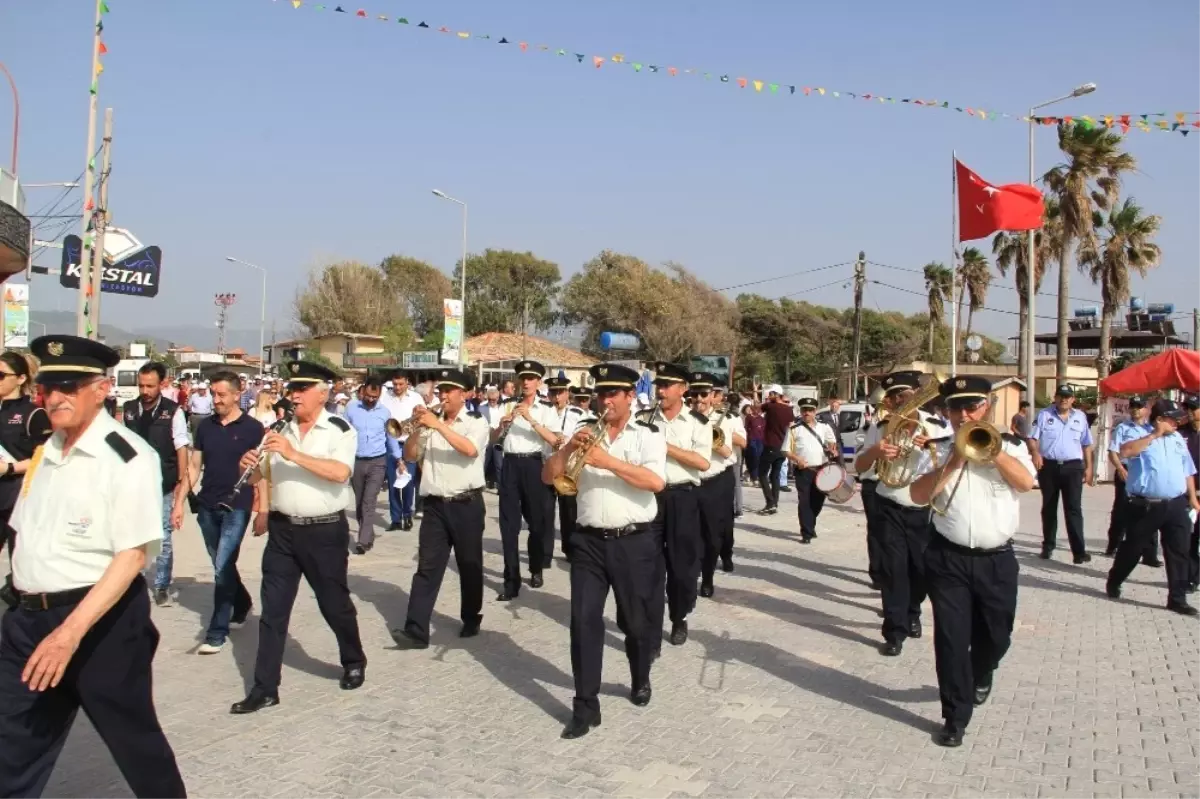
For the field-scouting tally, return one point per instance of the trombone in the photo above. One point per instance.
(976, 443)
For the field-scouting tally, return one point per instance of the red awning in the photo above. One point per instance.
(1173, 368)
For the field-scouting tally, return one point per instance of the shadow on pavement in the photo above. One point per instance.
(796, 614)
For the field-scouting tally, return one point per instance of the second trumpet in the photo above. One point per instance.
(405, 429)
(567, 483)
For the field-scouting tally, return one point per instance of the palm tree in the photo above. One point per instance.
(1012, 252)
(939, 282)
(1124, 244)
(974, 277)
(1089, 180)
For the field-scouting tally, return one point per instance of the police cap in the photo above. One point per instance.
(530, 369)
(1137, 402)
(807, 404)
(581, 391)
(558, 383)
(304, 374)
(69, 359)
(1169, 409)
(901, 381)
(454, 378)
(700, 380)
(671, 373)
(1064, 390)
(613, 375)
(1191, 403)
(965, 391)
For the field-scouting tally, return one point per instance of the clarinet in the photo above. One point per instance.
(241, 483)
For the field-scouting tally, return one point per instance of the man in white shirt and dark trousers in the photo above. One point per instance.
(524, 432)
(809, 446)
(77, 631)
(308, 466)
(617, 543)
(566, 420)
(718, 480)
(400, 402)
(970, 566)
(450, 446)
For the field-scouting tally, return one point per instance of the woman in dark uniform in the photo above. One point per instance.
(23, 428)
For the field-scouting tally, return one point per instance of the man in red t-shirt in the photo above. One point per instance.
(777, 410)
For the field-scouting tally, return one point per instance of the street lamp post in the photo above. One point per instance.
(262, 319)
(462, 355)
(1031, 255)
(16, 116)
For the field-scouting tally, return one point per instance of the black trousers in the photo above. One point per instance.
(1118, 522)
(628, 565)
(1146, 519)
(567, 510)
(109, 676)
(974, 598)
(678, 519)
(318, 553)
(716, 521)
(445, 526)
(523, 494)
(1065, 480)
(1194, 554)
(874, 545)
(768, 474)
(811, 501)
(905, 533)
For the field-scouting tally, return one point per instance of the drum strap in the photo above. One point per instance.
(820, 442)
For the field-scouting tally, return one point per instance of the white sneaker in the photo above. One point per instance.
(209, 649)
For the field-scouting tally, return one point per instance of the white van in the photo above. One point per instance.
(125, 378)
(854, 418)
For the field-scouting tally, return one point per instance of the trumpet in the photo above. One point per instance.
(715, 414)
(977, 443)
(396, 429)
(567, 483)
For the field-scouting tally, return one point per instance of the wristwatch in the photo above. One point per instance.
(10, 468)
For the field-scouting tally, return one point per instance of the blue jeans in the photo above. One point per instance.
(223, 531)
(166, 557)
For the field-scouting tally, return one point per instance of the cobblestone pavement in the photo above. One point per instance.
(779, 691)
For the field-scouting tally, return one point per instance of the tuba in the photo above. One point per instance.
(567, 483)
(900, 430)
(975, 442)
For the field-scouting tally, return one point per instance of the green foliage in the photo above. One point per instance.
(421, 287)
(399, 337)
(311, 354)
(504, 288)
(346, 297)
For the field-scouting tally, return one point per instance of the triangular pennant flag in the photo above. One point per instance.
(87, 241)
(637, 67)
(523, 47)
(724, 79)
(383, 17)
(403, 20)
(92, 90)
(758, 84)
(103, 7)
(579, 57)
(104, 50)
(1179, 117)
(297, 3)
(1184, 132)
(807, 91)
(545, 48)
(672, 71)
(741, 82)
(653, 68)
(484, 36)
(443, 29)
(502, 40)
(774, 88)
(340, 10)
(618, 59)
(100, 27)
(835, 94)
(852, 94)
(464, 35)
(560, 50)
(597, 60)
(791, 89)
(89, 205)
(99, 68)
(422, 24)
(92, 163)
(821, 91)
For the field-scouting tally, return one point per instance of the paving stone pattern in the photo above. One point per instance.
(779, 691)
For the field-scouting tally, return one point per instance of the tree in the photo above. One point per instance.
(975, 275)
(312, 354)
(939, 285)
(346, 297)
(1089, 180)
(1012, 252)
(1124, 244)
(421, 287)
(507, 289)
(399, 337)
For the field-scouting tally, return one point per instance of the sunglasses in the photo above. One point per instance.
(70, 388)
(4, 375)
(701, 393)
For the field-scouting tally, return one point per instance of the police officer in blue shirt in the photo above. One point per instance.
(1162, 491)
(1191, 434)
(1135, 426)
(1061, 446)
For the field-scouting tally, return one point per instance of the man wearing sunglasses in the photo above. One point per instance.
(566, 420)
(77, 632)
(717, 481)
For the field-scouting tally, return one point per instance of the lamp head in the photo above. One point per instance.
(1086, 88)
(439, 193)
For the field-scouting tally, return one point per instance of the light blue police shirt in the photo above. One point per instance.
(1161, 470)
(1127, 430)
(371, 424)
(1059, 441)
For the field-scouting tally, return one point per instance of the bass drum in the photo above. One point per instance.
(835, 483)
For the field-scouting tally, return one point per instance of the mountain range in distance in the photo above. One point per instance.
(201, 337)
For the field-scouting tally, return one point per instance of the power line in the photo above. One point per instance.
(980, 308)
(784, 277)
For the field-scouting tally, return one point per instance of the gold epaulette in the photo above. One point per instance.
(34, 461)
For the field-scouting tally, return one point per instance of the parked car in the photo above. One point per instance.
(853, 419)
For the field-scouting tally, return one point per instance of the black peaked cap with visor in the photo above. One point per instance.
(306, 374)
(665, 372)
(530, 369)
(455, 378)
(613, 375)
(965, 392)
(71, 359)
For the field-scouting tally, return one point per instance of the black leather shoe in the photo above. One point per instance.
(408, 523)
(506, 596)
(982, 692)
(640, 696)
(891, 648)
(914, 628)
(254, 702)
(536, 581)
(577, 727)
(706, 590)
(1191, 587)
(679, 633)
(406, 640)
(727, 565)
(1113, 591)
(470, 629)
(1046, 554)
(361, 549)
(1153, 563)
(1111, 552)
(876, 585)
(1182, 608)
(353, 677)
(949, 735)
(1081, 559)
(395, 527)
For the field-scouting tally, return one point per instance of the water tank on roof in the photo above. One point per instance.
(620, 341)
(1165, 308)
(1089, 312)
(1136, 303)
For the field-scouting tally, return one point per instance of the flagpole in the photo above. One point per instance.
(954, 266)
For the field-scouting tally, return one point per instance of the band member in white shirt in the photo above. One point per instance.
(970, 566)
(809, 446)
(450, 446)
(400, 401)
(525, 430)
(688, 444)
(582, 398)
(904, 525)
(566, 419)
(718, 480)
(615, 543)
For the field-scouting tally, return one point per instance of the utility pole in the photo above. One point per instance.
(99, 226)
(1196, 329)
(81, 308)
(860, 281)
(525, 328)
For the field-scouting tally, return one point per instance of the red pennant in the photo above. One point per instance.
(597, 60)
(672, 71)
(524, 47)
(807, 91)
(90, 205)
(361, 13)
(742, 82)
(103, 49)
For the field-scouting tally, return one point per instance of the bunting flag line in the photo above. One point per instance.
(1182, 122)
(89, 205)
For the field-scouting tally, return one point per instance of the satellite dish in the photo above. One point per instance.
(974, 343)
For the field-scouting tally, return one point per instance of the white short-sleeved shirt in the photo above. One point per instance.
(739, 429)
(298, 492)
(687, 432)
(445, 471)
(812, 446)
(401, 407)
(918, 460)
(718, 464)
(565, 423)
(521, 438)
(77, 511)
(608, 502)
(985, 510)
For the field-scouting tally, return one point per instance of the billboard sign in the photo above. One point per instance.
(452, 338)
(129, 268)
(717, 365)
(16, 315)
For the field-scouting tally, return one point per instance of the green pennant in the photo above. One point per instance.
(637, 67)
(774, 88)
(92, 164)
(103, 7)
(402, 21)
(93, 89)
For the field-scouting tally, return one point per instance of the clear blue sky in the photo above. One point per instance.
(284, 137)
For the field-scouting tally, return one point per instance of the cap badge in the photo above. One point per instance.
(603, 370)
(55, 348)
(960, 384)
(445, 373)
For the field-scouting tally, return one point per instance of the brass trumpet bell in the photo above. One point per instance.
(977, 443)
(393, 428)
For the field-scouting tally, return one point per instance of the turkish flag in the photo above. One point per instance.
(983, 208)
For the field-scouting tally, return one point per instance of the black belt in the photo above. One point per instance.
(537, 455)
(679, 487)
(465, 496)
(370, 457)
(707, 480)
(941, 540)
(55, 599)
(1062, 462)
(304, 521)
(1136, 500)
(615, 532)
